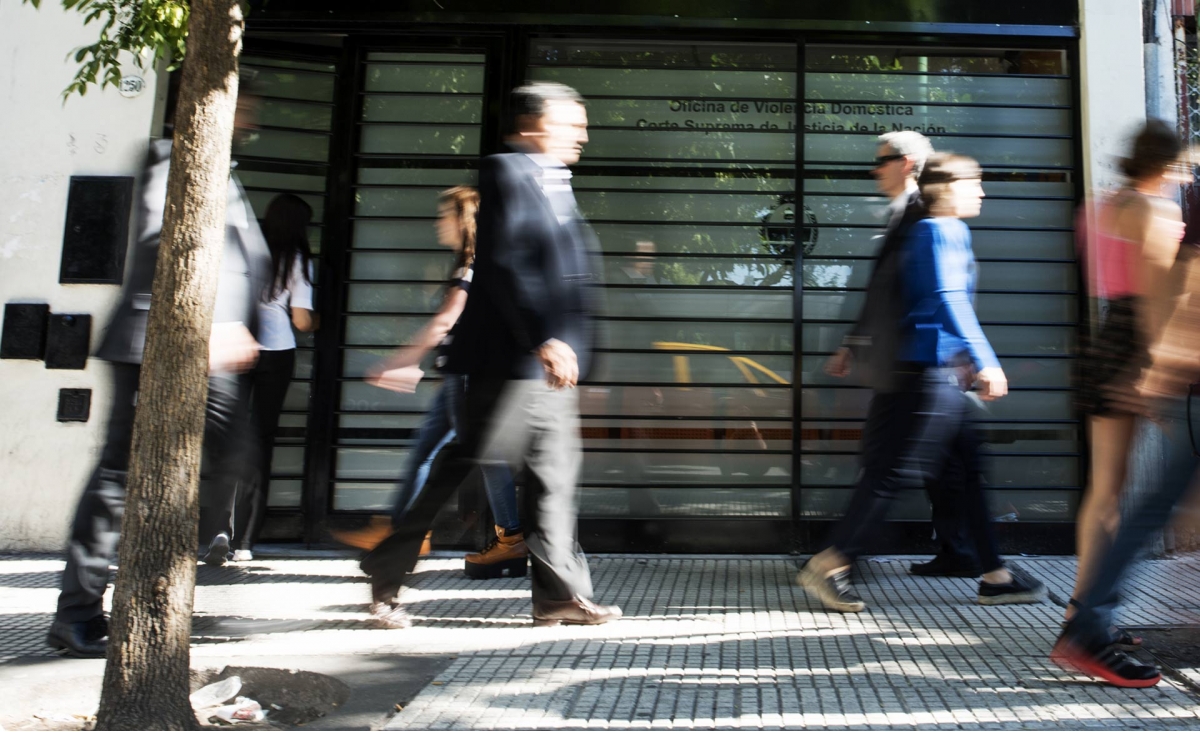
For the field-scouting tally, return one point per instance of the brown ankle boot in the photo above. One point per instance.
(504, 557)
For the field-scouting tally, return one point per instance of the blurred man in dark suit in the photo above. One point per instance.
(524, 340)
(80, 627)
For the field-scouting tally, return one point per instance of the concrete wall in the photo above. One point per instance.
(1113, 84)
(44, 464)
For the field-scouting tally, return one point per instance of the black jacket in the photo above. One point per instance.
(535, 278)
(875, 338)
(245, 263)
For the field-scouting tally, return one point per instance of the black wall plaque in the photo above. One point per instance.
(74, 405)
(97, 230)
(24, 333)
(68, 338)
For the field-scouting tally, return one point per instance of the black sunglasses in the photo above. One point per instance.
(885, 159)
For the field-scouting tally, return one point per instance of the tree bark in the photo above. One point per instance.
(146, 678)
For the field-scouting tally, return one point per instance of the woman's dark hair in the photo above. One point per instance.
(464, 200)
(942, 169)
(1155, 148)
(285, 227)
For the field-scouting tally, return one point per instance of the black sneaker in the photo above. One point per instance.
(1109, 663)
(943, 566)
(833, 590)
(218, 551)
(1019, 591)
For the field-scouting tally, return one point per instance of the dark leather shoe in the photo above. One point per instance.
(573, 612)
(942, 566)
(73, 639)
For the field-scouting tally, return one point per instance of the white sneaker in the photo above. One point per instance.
(243, 555)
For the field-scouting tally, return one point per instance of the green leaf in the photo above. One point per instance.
(147, 30)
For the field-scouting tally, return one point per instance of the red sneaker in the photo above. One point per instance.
(1109, 663)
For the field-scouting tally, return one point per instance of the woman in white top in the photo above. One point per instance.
(287, 303)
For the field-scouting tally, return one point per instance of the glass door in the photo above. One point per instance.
(420, 126)
(1011, 109)
(688, 180)
(294, 84)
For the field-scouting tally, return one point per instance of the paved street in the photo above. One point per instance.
(708, 642)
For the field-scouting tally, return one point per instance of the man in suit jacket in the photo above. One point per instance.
(524, 340)
(79, 626)
(872, 348)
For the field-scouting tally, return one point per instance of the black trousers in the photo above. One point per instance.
(269, 383)
(919, 436)
(96, 528)
(229, 450)
(521, 424)
(948, 501)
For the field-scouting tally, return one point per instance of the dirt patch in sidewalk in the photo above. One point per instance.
(1177, 649)
(325, 692)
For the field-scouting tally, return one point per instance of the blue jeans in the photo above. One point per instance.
(1152, 512)
(437, 430)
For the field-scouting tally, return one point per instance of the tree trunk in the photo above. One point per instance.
(146, 678)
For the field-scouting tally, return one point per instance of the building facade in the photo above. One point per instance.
(727, 177)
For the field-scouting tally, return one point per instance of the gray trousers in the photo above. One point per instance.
(519, 424)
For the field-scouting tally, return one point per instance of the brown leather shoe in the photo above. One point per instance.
(578, 611)
(506, 556)
(368, 537)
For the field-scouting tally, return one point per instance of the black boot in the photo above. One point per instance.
(81, 640)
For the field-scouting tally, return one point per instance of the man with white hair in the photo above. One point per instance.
(871, 349)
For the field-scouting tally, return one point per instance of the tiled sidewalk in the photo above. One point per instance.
(707, 642)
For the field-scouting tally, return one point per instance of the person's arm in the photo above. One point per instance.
(431, 335)
(939, 257)
(1160, 229)
(300, 302)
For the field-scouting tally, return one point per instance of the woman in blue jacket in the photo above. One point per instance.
(942, 336)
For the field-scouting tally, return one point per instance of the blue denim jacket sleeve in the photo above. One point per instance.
(941, 284)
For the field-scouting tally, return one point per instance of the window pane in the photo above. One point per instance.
(278, 113)
(396, 202)
(1025, 244)
(395, 235)
(384, 330)
(359, 396)
(378, 429)
(609, 468)
(431, 267)
(695, 367)
(422, 109)
(420, 140)
(383, 77)
(729, 336)
(290, 84)
(1028, 471)
(684, 502)
(716, 435)
(285, 493)
(381, 463)
(866, 90)
(395, 298)
(282, 144)
(717, 402)
(281, 181)
(691, 271)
